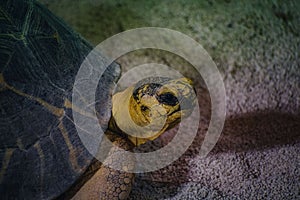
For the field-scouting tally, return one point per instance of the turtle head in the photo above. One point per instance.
(153, 106)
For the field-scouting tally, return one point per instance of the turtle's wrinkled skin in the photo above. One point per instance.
(107, 183)
(41, 154)
(174, 96)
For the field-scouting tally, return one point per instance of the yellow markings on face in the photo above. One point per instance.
(72, 151)
(140, 112)
(5, 161)
(128, 116)
(144, 107)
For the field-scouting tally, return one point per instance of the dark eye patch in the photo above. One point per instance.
(144, 108)
(168, 99)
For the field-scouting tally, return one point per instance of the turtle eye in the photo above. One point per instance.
(144, 108)
(168, 99)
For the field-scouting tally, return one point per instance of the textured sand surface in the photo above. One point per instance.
(256, 47)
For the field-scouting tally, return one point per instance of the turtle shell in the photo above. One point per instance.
(41, 154)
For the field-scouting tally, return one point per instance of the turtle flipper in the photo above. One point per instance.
(108, 183)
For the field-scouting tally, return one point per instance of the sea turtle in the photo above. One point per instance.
(41, 154)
